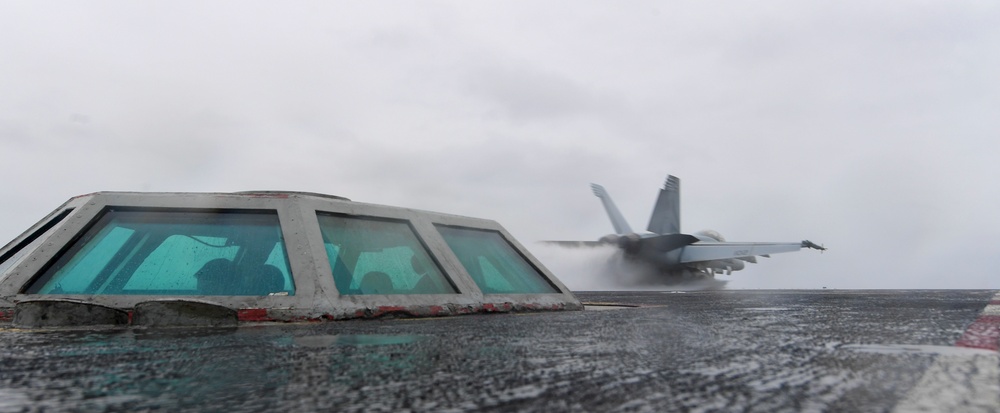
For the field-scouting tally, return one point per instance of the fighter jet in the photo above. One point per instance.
(675, 257)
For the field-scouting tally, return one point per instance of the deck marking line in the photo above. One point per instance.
(962, 383)
(985, 331)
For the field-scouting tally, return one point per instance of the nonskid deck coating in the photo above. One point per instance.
(701, 351)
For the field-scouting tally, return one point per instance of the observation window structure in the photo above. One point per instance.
(20, 249)
(146, 259)
(494, 265)
(175, 253)
(376, 256)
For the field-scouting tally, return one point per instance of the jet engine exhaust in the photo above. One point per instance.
(606, 268)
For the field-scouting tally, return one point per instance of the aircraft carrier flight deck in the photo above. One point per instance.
(766, 351)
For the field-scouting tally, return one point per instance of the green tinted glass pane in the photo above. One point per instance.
(93, 257)
(278, 259)
(495, 266)
(174, 253)
(158, 272)
(371, 256)
(492, 278)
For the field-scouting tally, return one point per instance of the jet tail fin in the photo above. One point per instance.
(666, 218)
(617, 220)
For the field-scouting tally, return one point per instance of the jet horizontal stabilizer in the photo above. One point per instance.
(668, 242)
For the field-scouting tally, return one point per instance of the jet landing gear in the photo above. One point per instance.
(697, 280)
(630, 272)
(693, 275)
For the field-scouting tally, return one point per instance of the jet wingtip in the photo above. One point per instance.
(813, 245)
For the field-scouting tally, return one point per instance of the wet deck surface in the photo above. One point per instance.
(761, 351)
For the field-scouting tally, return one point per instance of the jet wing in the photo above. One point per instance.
(710, 251)
(577, 244)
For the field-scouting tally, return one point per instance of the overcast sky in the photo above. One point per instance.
(870, 127)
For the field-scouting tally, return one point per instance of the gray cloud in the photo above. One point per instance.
(867, 126)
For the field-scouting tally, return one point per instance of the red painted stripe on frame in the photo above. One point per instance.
(253, 314)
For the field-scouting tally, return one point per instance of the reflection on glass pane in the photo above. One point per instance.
(371, 256)
(157, 272)
(279, 260)
(13, 256)
(174, 253)
(495, 266)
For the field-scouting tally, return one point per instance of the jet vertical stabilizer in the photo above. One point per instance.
(666, 218)
(621, 226)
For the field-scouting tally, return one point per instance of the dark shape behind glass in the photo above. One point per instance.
(373, 256)
(173, 253)
(495, 266)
